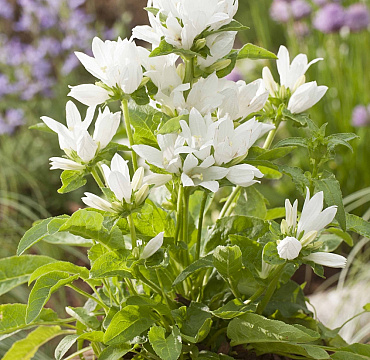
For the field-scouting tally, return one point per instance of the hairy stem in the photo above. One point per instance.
(200, 224)
(126, 116)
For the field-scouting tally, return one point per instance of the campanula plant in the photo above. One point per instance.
(167, 280)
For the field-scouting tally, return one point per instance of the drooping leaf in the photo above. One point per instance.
(232, 26)
(276, 153)
(341, 139)
(202, 263)
(169, 347)
(358, 225)
(13, 317)
(232, 309)
(292, 142)
(25, 349)
(333, 196)
(164, 48)
(65, 238)
(16, 270)
(71, 180)
(343, 235)
(44, 287)
(114, 352)
(60, 266)
(299, 119)
(65, 344)
(84, 317)
(298, 177)
(250, 51)
(253, 328)
(128, 323)
(228, 261)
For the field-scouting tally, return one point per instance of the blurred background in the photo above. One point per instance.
(37, 63)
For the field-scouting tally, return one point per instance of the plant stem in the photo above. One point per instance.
(78, 353)
(186, 217)
(189, 75)
(162, 288)
(271, 136)
(179, 214)
(96, 177)
(131, 286)
(132, 231)
(126, 116)
(257, 294)
(229, 201)
(270, 289)
(200, 224)
(83, 293)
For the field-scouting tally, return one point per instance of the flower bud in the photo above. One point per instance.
(137, 179)
(308, 238)
(284, 228)
(289, 248)
(269, 81)
(299, 82)
(181, 71)
(282, 92)
(142, 194)
(219, 65)
(152, 246)
(200, 44)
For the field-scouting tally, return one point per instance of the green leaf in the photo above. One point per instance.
(269, 173)
(140, 96)
(84, 317)
(253, 328)
(65, 344)
(276, 213)
(276, 153)
(71, 180)
(111, 264)
(308, 351)
(60, 266)
(251, 203)
(41, 127)
(360, 349)
(292, 142)
(341, 139)
(166, 348)
(271, 255)
(344, 235)
(297, 175)
(65, 238)
(228, 261)
(25, 349)
(202, 263)
(16, 270)
(299, 119)
(333, 196)
(128, 323)
(165, 48)
(232, 309)
(232, 26)
(194, 322)
(44, 287)
(249, 227)
(172, 125)
(358, 225)
(114, 352)
(250, 51)
(228, 69)
(37, 232)
(13, 317)
(346, 355)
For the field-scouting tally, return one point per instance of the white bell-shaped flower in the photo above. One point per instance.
(152, 246)
(289, 248)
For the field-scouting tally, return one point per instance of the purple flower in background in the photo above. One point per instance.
(300, 9)
(235, 75)
(6, 10)
(11, 120)
(331, 18)
(280, 11)
(357, 17)
(301, 29)
(361, 116)
(324, 2)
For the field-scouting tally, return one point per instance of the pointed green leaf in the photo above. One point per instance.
(292, 142)
(228, 261)
(84, 317)
(251, 203)
(44, 287)
(114, 352)
(168, 348)
(25, 349)
(16, 270)
(111, 264)
(71, 180)
(250, 51)
(276, 153)
(253, 328)
(128, 323)
(65, 238)
(172, 125)
(65, 344)
(358, 225)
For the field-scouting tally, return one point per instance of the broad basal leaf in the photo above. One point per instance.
(228, 261)
(16, 270)
(169, 347)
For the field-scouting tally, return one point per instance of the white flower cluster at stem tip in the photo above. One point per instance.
(219, 117)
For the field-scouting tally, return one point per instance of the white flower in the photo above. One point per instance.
(97, 202)
(289, 248)
(242, 99)
(75, 140)
(313, 218)
(243, 175)
(166, 158)
(327, 259)
(269, 81)
(220, 45)
(306, 96)
(152, 246)
(116, 64)
(205, 174)
(291, 73)
(198, 135)
(180, 22)
(233, 143)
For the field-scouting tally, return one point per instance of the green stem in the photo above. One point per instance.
(353, 317)
(257, 294)
(132, 231)
(126, 116)
(78, 353)
(186, 217)
(87, 295)
(200, 224)
(271, 136)
(111, 296)
(270, 289)
(131, 286)
(189, 75)
(96, 177)
(179, 214)
(162, 288)
(230, 201)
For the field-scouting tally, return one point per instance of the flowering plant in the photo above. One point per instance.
(160, 284)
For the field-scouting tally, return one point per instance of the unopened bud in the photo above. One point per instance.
(282, 92)
(299, 82)
(200, 44)
(308, 238)
(181, 71)
(219, 65)
(144, 81)
(284, 227)
(142, 194)
(137, 179)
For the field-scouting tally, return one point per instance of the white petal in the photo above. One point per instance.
(119, 164)
(96, 202)
(327, 259)
(150, 154)
(152, 246)
(283, 64)
(210, 185)
(90, 65)
(190, 163)
(120, 185)
(105, 128)
(289, 248)
(72, 115)
(186, 180)
(89, 94)
(243, 174)
(137, 179)
(157, 179)
(64, 164)
(86, 147)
